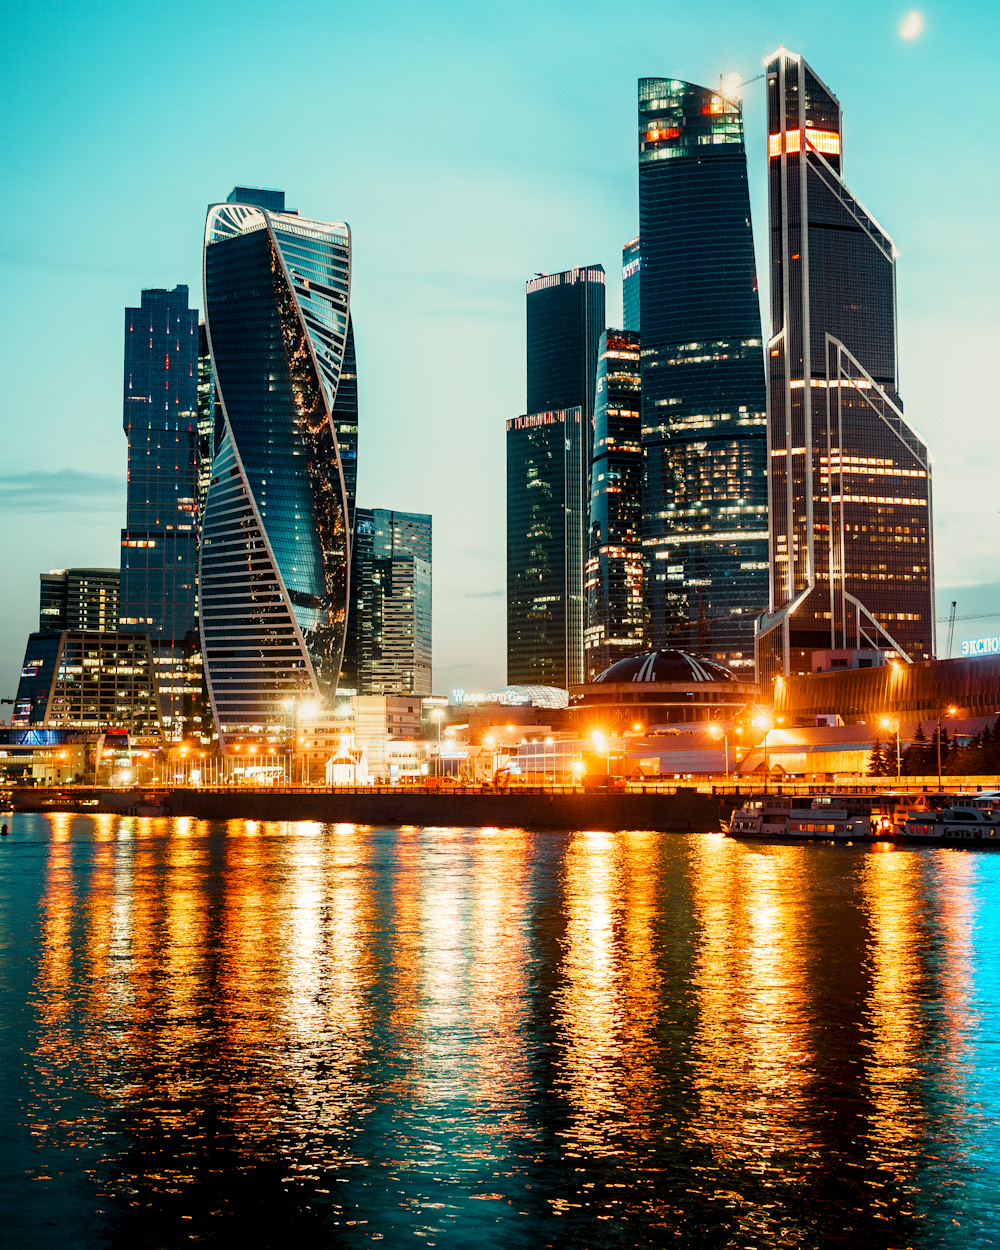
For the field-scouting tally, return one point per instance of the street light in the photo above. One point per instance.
(767, 726)
(602, 744)
(950, 712)
(716, 731)
(887, 722)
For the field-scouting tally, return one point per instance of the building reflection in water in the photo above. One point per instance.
(760, 1041)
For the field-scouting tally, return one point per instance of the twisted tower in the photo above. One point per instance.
(275, 553)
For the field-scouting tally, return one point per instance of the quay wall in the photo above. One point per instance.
(686, 809)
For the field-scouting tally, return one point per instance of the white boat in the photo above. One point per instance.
(961, 822)
(792, 819)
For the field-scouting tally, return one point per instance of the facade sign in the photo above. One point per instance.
(981, 646)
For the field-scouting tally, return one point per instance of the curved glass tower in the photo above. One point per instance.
(275, 548)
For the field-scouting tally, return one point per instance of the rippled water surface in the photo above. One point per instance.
(329, 1035)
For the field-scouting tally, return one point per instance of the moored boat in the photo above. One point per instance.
(792, 819)
(958, 823)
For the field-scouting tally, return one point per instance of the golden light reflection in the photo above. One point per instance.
(892, 887)
(498, 1002)
(589, 1004)
(751, 1049)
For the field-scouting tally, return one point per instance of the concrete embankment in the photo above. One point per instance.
(687, 809)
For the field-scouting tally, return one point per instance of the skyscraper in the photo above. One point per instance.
(613, 572)
(703, 392)
(207, 440)
(545, 549)
(275, 548)
(631, 272)
(345, 421)
(159, 546)
(548, 473)
(79, 599)
(850, 487)
(565, 320)
(390, 633)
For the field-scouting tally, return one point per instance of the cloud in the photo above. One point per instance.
(912, 25)
(66, 490)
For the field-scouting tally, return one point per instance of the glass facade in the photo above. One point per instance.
(631, 271)
(613, 574)
(89, 681)
(703, 390)
(389, 631)
(79, 599)
(544, 549)
(850, 488)
(275, 545)
(163, 419)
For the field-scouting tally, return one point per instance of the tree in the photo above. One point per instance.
(917, 756)
(879, 763)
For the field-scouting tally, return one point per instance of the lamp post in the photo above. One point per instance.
(949, 712)
(888, 723)
(717, 732)
(767, 726)
(602, 744)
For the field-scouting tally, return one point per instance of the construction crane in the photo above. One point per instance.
(974, 616)
(745, 83)
(951, 627)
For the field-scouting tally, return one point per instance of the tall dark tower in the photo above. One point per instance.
(612, 579)
(703, 392)
(850, 488)
(159, 546)
(548, 473)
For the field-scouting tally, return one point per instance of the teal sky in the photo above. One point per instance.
(467, 146)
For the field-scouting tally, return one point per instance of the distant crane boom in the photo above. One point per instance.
(951, 627)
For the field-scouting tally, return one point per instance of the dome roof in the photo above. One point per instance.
(666, 666)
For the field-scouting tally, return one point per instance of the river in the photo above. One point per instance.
(297, 1034)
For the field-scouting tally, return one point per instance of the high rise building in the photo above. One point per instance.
(548, 474)
(275, 547)
(850, 482)
(613, 572)
(345, 422)
(545, 549)
(208, 431)
(389, 650)
(631, 269)
(159, 546)
(565, 320)
(703, 393)
(79, 599)
(91, 680)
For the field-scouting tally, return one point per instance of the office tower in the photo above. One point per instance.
(703, 394)
(345, 422)
(631, 267)
(275, 545)
(88, 680)
(79, 599)
(159, 546)
(565, 319)
(390, 631)
(545, 549)
(850, 482)
(548, 474)
(613, 572)
(206, 418)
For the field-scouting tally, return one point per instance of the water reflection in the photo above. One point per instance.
(291, 1031)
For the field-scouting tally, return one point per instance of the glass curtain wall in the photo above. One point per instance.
(703, 391)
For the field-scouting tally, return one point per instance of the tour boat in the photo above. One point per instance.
(961, 822)
(792, 819)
